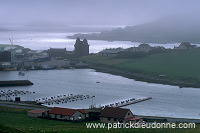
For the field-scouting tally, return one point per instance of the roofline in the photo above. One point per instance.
(112, 117)
(38, 110)
(59, 114)
(68, 115)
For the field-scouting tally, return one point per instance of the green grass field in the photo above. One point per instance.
(176, 65)
(16, 121)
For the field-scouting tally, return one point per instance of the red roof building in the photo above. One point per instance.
(67, 114)
(37, 113)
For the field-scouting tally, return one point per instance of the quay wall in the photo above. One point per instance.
(15, 83)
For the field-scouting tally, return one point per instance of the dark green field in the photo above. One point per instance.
(15, 120)
(176, 65)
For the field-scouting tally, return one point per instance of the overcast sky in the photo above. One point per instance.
(93, 12)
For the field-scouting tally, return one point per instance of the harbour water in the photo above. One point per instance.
(168, 101)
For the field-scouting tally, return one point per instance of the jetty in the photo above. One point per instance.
(127, 102)
(15, 83)
(62, 99)
(135, 101)
(10, 94)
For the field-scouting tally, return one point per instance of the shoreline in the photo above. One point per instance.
(143, 77)
(137, 76)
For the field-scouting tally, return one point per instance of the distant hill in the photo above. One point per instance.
(174, 29)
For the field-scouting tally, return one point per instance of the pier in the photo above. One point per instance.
(127, 102)
(62, 99)
(9, 94)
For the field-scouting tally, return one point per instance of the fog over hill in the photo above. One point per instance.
(64, 15)
(171, 29)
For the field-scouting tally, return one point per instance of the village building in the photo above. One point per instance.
(115, 115)
(5, 56)
(55, 63)
(38, 113)
(81, 47)
(1, 49)
(5, 60)
(185, 45)
(25, 51)
(67, 114)
(57, 52)
(143, 47)
(111, 51)
(14, 49)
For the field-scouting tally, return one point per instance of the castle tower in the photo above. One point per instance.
(81, 47)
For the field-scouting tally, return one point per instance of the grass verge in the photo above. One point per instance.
(16, 121)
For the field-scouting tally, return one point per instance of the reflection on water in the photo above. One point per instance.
(45, 40)
(167, 100)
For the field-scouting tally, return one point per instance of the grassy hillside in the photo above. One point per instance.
(16, 121)
(176, 64)
(184, 63)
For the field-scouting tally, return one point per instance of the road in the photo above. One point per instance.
(20, 105)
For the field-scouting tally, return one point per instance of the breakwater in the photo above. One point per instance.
(15, 83)
(127, 102)
(62, 99)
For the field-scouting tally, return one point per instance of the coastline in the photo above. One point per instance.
(143, 77)
(138, 76)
